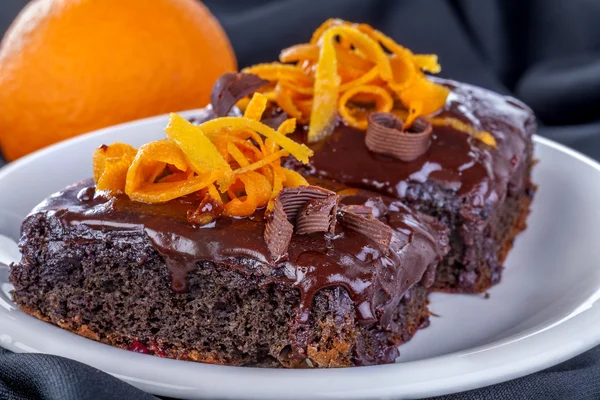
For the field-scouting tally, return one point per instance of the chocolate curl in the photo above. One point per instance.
(278, 232)
(294, 199)
(317, 215)
(311, 208)
(370, 227)
(386, 136)
(360, 210)
(231, 88)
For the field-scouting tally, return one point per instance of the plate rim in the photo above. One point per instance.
(372, 381)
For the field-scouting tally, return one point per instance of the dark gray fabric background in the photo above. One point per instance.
(545, 52)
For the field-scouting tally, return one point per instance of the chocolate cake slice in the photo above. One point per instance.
(141, 277)
(481, 192)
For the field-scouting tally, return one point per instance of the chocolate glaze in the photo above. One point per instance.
(376, 280)
(455, 160)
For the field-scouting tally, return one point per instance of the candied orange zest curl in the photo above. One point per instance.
(264, 162)
(300, 52)
(110, 164)
(201, 153)
(258, 193)
(140, 184)
(382, 99)
(256, 107)
(327, 86)
(237, 155)
(240, 155)
(312, 83)
(293, 178)
(285, 101)
(299, 151)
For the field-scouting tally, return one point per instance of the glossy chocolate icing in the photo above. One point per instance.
(455, 160)
(375, 278)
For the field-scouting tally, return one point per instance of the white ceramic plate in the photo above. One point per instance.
(545, 310)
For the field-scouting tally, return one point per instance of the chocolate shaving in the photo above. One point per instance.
(231, 88)
(317, 215)
(293, 199)
(278, 232)
(385, 135)
(363, 211)
(370, 227)
(310, 208)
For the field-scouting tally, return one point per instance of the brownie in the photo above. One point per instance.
(141, 277)
(482, 193)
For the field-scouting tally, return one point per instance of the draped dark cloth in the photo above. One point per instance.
(544, 52)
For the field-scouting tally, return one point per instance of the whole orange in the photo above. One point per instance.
(71, 66)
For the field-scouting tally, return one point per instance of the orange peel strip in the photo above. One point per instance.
(286, 127)
(383, 103)
(261, 163)
(163, 192)
(423, 97)
(404, 72)
(275, 71)
(114, 175)
(352, 59)
(140, 184)
(368, 46)
(114, 151)
(365, 79)
(428, 62)
(110, 166)
(305, 106)
(258, 193)
(299, 89)
(299, 151)
(284, 100)
(293, 178)
(256, 107)
(247, 146)
(237, 155)
(327, 84)
(330, 23)
(278, 178)
(300, 52)
(200, 152)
